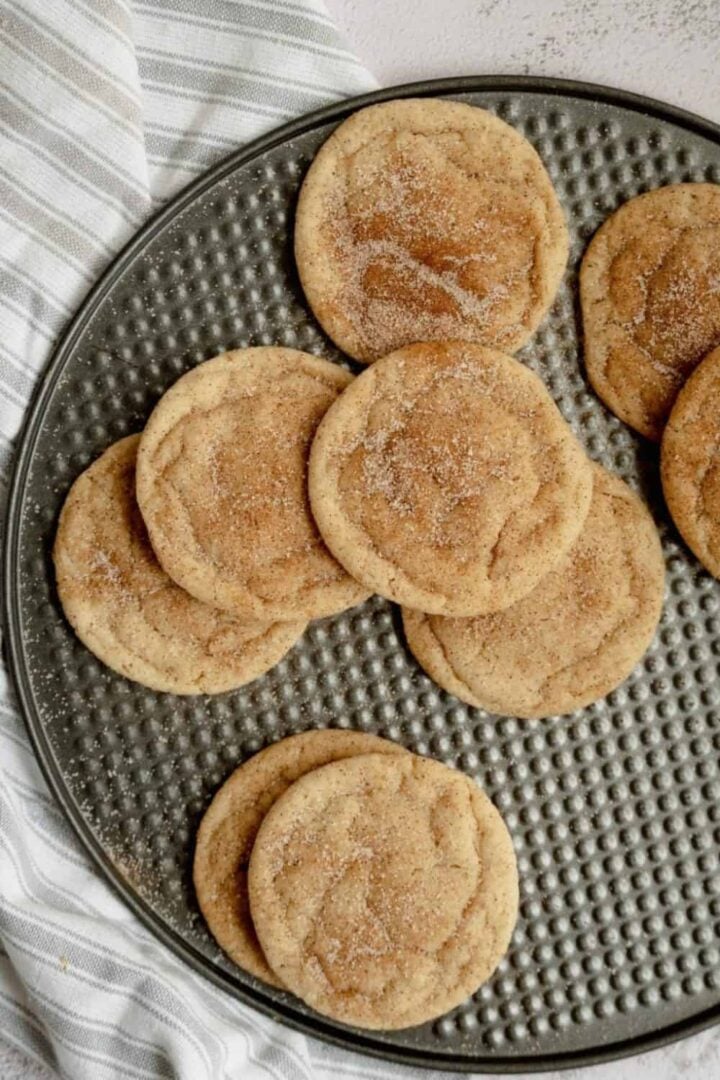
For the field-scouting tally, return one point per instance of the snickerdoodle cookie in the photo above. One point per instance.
(125, 608)
(445, 478)
(228, 829)
(651, 300)
(573, 639)
(425, 220)
(690, 463)
(383, 889)
(221, 483)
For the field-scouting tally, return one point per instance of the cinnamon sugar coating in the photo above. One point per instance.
(426, 220)
(650, 295)
(690, 464)
(383, 889)
(221, 482)
(125, 608)
(575, 637)
(229, 826)
(446, 479)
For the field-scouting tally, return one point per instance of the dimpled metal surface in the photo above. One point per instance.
(614, 811)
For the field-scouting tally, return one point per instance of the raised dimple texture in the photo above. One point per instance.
(614, 812)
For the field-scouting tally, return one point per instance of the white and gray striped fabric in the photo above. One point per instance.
(107, 108)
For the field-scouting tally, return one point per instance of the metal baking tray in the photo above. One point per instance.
(614, 811)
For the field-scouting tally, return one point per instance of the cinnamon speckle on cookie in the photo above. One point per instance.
(575, 637)
(445, 478)
(125, 608)
(383, 889)
(424, 220)
(221, 482)
(650, 296)
(229, 826)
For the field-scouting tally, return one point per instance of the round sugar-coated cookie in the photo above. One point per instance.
(384, 890)
(690, 464)
(428, 220)
(221, 483)
(575, 637)
(446, 479)
(230, 823)
(129, 613)
(650, 300)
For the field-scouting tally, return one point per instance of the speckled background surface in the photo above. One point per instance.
(665, 48)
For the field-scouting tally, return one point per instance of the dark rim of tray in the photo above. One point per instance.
(13, 648)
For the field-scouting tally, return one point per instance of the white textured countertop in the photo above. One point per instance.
(664, 48)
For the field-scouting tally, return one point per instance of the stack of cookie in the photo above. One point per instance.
(378, 886)
(187, 558)
(444, 477)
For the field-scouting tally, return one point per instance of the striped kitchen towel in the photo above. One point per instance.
(107, 108)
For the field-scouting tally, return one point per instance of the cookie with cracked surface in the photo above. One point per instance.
(230, 824)
(384, 889)
(424, 220)
(689, 462)
(576, 637)
(445, 478)
(221, 482)
(129, 613)
(650, 300)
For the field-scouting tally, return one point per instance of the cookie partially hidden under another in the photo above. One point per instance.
(230, 823)
(383, 889)
(650, 300)
(573, 639)
(129, 613)
(426, 220)
(221, 482)
(446, 479)
(690, 463)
